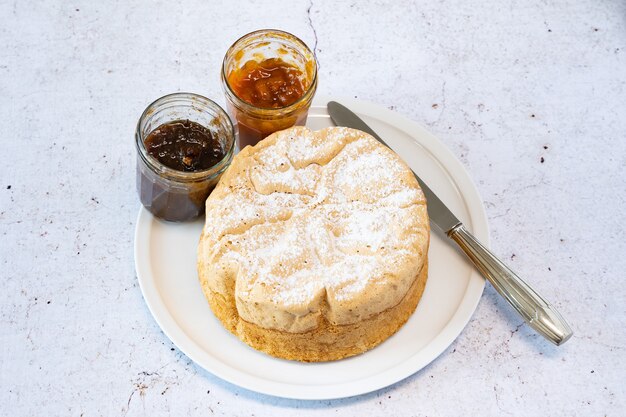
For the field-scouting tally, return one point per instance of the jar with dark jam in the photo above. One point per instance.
(269, 78)
(184, 144)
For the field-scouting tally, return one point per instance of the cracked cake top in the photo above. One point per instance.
(307, 223)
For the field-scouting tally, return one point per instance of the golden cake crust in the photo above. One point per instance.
(315, 243)
(327, 341)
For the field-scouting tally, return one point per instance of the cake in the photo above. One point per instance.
(315, 244)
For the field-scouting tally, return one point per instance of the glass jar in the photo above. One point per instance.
(253, 122)
(168, 193)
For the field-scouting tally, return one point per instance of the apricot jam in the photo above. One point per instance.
(268, 84)
(269, 78)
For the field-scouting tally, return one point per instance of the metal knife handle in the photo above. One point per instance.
(537, 312)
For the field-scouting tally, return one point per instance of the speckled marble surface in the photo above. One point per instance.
(530, 96)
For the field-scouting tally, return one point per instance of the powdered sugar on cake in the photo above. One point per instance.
(319, 216)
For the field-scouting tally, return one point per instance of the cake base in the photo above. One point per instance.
(327, 342)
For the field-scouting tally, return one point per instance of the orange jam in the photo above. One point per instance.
(269, 79)
(268, 84)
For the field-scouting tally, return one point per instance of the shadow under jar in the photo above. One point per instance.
(269, 78)
(176, 137)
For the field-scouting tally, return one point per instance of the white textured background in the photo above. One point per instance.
(529, 95)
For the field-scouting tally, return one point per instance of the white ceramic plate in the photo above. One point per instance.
(165, 259)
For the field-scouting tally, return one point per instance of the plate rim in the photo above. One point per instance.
(464, 312)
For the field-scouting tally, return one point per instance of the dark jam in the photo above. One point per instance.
(185, 146)
(268, 84)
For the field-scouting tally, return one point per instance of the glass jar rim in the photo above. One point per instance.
(289, 36)
(174, 174)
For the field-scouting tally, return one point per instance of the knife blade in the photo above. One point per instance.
(535, 310)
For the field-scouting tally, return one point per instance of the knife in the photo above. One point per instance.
(535, 310)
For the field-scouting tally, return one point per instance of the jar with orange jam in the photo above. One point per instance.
(269, 79)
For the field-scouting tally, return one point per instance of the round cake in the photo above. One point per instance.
(315, 244)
